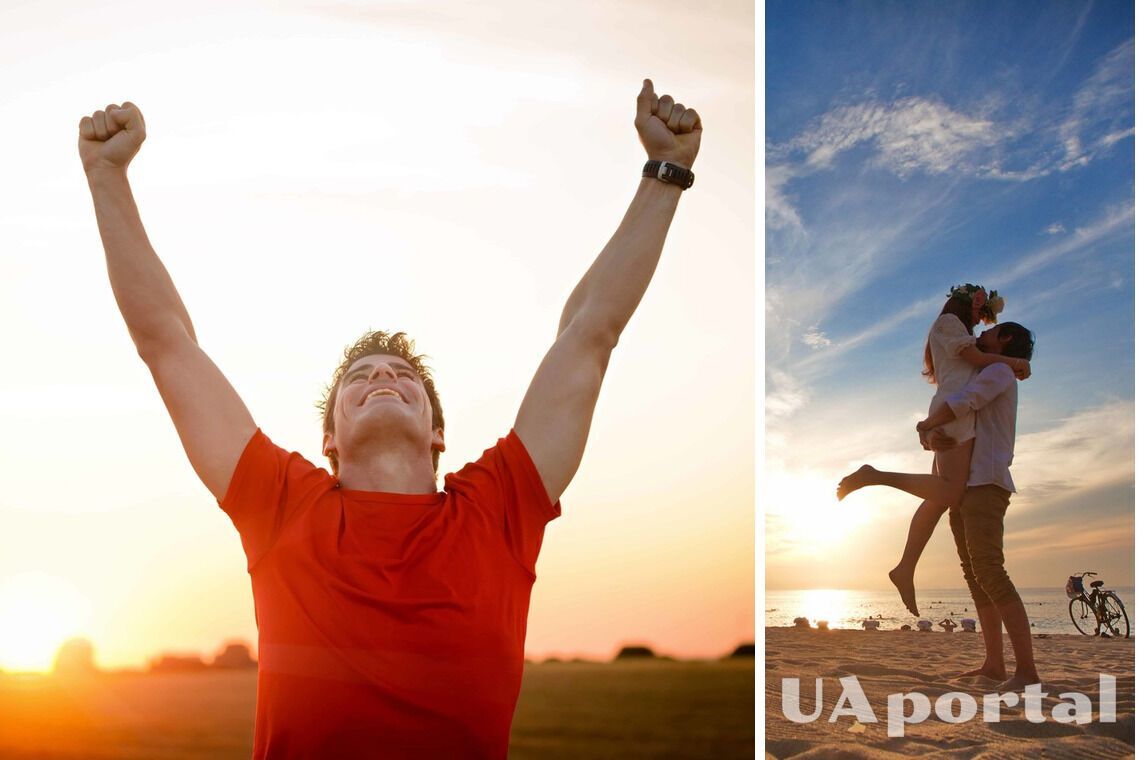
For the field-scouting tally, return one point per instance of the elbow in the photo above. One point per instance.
(600, 334)
(591, 326)
(151, 346)
(148, 349)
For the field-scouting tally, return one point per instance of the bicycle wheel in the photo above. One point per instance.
(1083, 616)
(1114, 619)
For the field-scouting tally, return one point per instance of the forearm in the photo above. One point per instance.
(146, 295)
(943, 415)
(606, 297)
(980, 359)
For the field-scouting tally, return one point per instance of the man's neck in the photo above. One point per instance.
(389, 471)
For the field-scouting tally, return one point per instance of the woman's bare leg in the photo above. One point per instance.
(952, 467)
(936, 488)
(922, 527)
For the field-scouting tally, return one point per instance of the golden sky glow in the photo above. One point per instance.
(312, 170)
(37, 613)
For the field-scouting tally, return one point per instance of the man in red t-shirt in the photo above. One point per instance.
(391, 615)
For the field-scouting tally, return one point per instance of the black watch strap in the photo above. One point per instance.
(667, 172)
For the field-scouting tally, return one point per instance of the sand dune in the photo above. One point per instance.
(898, 662)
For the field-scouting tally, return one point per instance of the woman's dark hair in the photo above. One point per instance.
(1021, 341)
(963, 310)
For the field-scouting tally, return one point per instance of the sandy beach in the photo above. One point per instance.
(898, 662)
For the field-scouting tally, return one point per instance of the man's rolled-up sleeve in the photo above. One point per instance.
(990, 383)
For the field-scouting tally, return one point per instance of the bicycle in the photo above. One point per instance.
(1096, 613)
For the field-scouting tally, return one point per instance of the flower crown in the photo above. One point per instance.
(989, 305)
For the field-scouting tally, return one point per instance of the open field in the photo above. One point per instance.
(627, 709)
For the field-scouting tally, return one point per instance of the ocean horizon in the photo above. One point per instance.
(1046, 607)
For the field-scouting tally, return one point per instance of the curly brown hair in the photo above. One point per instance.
(382, 343)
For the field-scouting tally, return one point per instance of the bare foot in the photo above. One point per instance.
(985, 671)
(1019, 682)
(904, 582)
(854, 481)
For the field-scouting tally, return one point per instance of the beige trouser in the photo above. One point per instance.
(978, 527)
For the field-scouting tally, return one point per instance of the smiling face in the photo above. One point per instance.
(382, 395)
(381, 377)
(398, 351)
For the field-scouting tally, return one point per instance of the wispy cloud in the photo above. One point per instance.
(924, 135)
(1075, 535)
(1074, 35)
(783, 395)
(779, 211)
(852, 243)
(1116, 220)
(815, 338)
(912, 135)
(1101, 110)
(923, 307)
(1088, 450)
(908, 135)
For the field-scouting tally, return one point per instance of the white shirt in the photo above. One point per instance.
(993, 396)
(947, 339)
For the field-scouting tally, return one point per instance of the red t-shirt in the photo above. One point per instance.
(389, 625)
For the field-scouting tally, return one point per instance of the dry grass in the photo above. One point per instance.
(627, 709)
(636, 709)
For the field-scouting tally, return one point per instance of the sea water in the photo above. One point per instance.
(1047, 608)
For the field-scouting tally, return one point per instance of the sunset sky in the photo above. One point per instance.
(910, 147)
(315, 169)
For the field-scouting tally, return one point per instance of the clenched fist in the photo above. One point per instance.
(109, 139)
(668, 130)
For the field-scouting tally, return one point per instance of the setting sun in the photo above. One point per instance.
(802, 509)
(827, 604)
(37, 613)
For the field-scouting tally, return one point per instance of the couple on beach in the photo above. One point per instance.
(970, 427)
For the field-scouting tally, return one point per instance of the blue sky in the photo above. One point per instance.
(910, 147)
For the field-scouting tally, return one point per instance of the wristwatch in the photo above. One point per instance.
(667, 172)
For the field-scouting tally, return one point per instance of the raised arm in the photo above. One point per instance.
(212, 422)
(980, 359)
(554, 419)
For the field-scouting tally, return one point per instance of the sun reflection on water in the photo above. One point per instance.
(830, 604)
